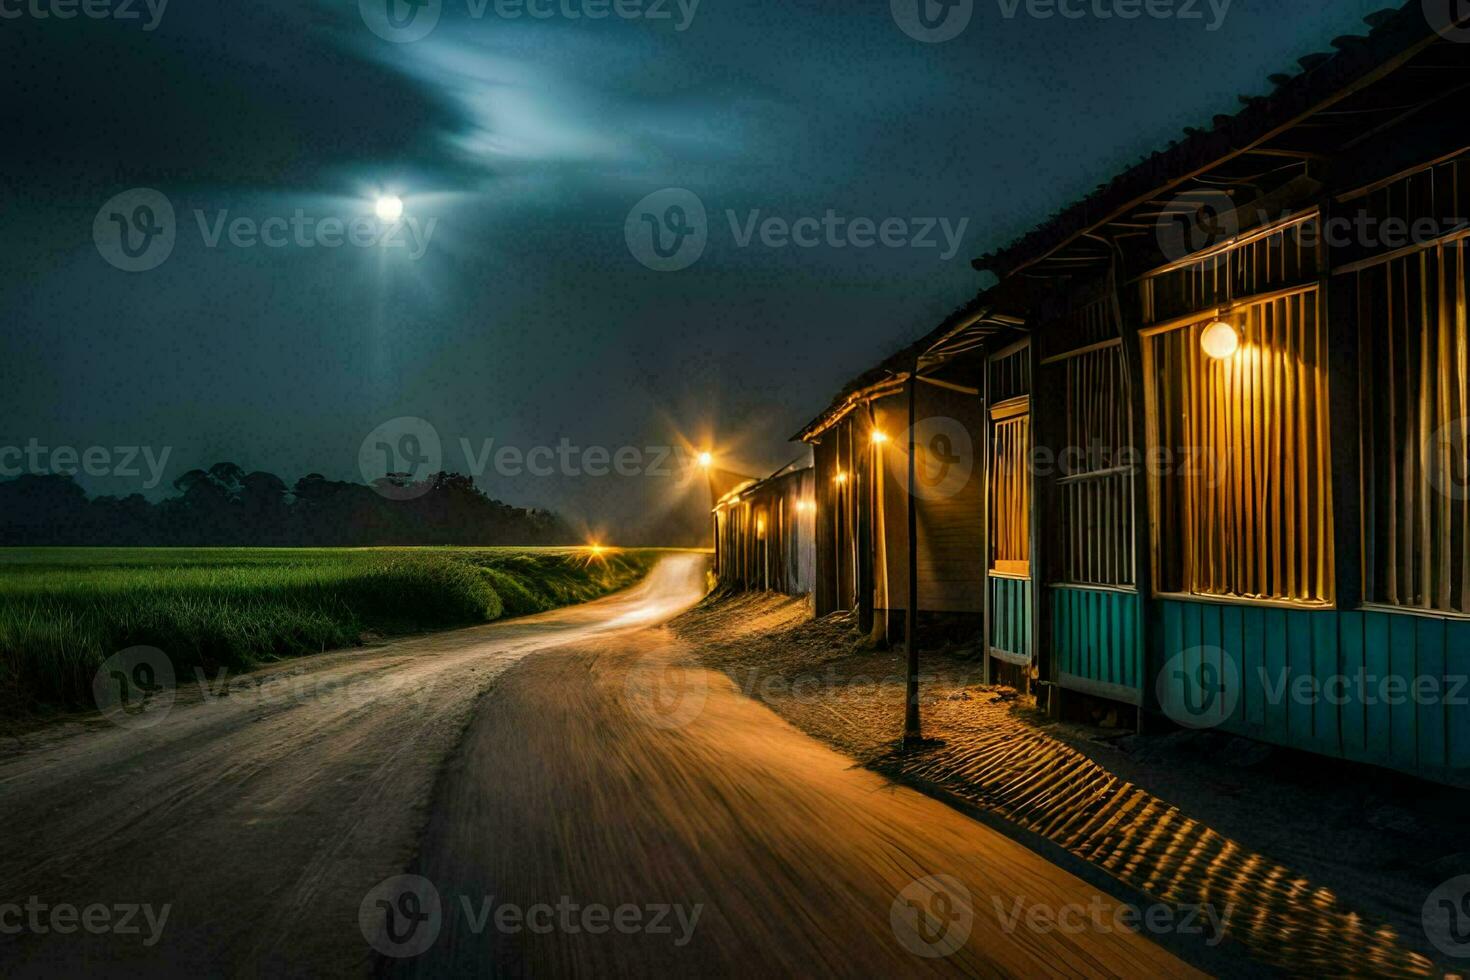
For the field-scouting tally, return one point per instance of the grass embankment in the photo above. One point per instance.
(64, 611)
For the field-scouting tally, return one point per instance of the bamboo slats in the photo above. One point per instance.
(1288, 256)
(1416, 350)
(1010, 374)
(1096, 476)
(1010, 520)
(1240, 458)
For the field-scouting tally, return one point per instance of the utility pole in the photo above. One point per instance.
(911, 733)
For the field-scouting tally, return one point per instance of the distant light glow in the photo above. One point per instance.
(841, 477)
(1220, 340)
(706, 460)
(389, 207)
(595, 549)
(879, 437)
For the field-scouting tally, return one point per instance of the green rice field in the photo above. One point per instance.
(65, 610)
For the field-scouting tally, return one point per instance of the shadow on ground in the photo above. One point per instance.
(1324, 866)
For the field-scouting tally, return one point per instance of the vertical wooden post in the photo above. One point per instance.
(824, 596)
(1129, 315)
(1047, 407)
(985, 530)
(1345, 401)
(865, 493)
(844, 526)
(911, 731)
(852, 512)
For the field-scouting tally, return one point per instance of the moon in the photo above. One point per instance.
(389, 207)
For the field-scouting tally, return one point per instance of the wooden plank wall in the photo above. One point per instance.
(801, 542)
(1011, 614)
(768, 541)
(1010, 619)
(949, 511)
(1275, 659)
(1096, 641)
(824, 538)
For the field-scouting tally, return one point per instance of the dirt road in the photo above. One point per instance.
(617, 811)
(260, 819)
(604, 809)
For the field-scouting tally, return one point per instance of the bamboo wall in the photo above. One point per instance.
(1279, 542)
(1011, 605)
(767, 538)
(1094, 612)
(1242, 502)
(1418, 376)
(1257, 527)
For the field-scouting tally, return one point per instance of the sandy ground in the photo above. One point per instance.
(1325, 865)
(261, 818)
(576, 770)
(620, 775)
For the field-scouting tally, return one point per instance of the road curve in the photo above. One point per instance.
(261, 818)
(606, 808)
(616, 810)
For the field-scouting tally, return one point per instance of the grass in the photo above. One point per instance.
(63, 611)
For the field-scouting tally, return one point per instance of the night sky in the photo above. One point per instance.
(524, 316)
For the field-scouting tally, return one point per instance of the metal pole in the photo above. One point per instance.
(865, 497)
(911, 731)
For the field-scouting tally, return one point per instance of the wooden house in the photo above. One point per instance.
(1217, 424)
(765, 533)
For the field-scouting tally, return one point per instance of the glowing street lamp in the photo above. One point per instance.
(1220, 340)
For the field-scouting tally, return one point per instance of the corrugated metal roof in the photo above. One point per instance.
(978, 318)
(1325, 76)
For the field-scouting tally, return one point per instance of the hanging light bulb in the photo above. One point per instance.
(1220, 340)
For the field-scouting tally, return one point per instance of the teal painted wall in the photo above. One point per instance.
(1384, 688)
(1095, 637)
(1010, 618)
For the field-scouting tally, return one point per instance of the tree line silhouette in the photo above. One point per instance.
(224, 505)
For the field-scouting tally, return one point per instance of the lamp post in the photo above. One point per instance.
(911, 731)
(706, 462)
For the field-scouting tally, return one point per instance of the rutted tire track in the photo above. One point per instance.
(616, 774)
(264, 821)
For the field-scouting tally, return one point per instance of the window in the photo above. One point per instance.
(1416, 479)
(1010, 516)
(1095, 474)
(1239, 456)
